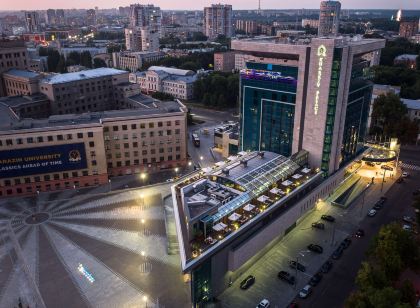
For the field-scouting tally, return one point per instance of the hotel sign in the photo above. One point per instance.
(321, 53)
(39, 160)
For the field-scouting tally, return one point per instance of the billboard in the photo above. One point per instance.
(55, 158)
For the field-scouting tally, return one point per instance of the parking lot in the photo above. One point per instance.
(294, 247)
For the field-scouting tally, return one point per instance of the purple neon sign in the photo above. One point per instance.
(267, 75)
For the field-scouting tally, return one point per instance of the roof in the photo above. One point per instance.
(171, 70)
(22, 73)
(88, 74)
(406, 57)
(411, 103)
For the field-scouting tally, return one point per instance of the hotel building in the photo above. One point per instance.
(71, 151)
(311, 96)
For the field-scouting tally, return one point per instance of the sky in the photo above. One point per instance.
(199, 4)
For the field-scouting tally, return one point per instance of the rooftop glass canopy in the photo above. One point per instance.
(255, 182)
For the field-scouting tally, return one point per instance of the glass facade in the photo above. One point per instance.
(332, 103)
(268, 108)
(201, 284)
(355, 126)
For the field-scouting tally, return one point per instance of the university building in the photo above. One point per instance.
(71, 151)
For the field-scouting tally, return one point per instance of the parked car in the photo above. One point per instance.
(326, 267)
(328, 218)
(289, 278)
(346, 242)
(264, 304)
(337, 253)
(306, 291)
(405, 174)
(315, 248)
(377, 206)
(370, 164)
(247, 282)
(371, 213)
(400, 180)
(409, 219)
(360, 233)
(297, 265)
(318, 225)
(407, 227)
(315, 279)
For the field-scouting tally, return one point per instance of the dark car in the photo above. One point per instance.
(247, 282)
(328, 218)
(346, 242)
(337, 253)
(283, 275)
(318, 225)
(297, 265)
(400, 180)
(293, 305)
(315, 248)
(326, 267)
(315, 279)
(360, 233)
(377, 206)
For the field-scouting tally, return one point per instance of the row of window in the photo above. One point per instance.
(145, 161)
(143, 152)
(41, 139)
(116, 128)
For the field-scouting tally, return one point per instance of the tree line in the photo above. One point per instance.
(192, 62)
(390, 119)
(378, 283)
(219, 90)
(58, 63)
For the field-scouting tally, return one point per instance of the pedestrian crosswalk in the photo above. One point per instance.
(410, 167)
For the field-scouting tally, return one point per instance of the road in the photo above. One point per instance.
(337, 285)
(204, 156)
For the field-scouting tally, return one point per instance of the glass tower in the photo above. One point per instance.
(268, 99)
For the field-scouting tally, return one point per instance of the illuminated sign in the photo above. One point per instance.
(321, 53)
(39, 160)
(267, 75)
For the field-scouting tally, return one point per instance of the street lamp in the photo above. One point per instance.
(201, 157)
(143, 176)
(189, 164)
(145, 300)
(110, 184)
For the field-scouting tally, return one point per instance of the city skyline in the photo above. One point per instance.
(194, 5)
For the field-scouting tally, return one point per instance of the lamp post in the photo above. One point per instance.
(143, 176)
(110, 184)
(145, 300)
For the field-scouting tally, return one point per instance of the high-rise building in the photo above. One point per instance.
(329, 18)
(248, 26)
(218, 20)
(145, 28)
(91, 17)
(312, 96)
(50, 17)
(408, 28)
(59, 17)
(32, 21)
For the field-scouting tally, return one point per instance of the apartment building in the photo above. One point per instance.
(133, 61)
(20, 82)
(218, 20)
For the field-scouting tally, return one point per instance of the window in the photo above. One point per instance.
(135, 144)
(65, 175)
(115, 128)
(177, 122)
(56, 176)
(151, 125)
(168, 132)
(60, 137)
(133, 126)
(69, 136)
(126, 145)
(47, 177)
(85, 173)
(161, 150)
(142, 125)
(80, 135)
(168, 123)
(124, 127)
(91, 144)
(144, 152)
(30, 140)
(50, 138)
(90, 134)
(40, 139)
(74, 174)
(27, 180)
(152, 134)
(160, 124)
(106, 129)
(9, 142)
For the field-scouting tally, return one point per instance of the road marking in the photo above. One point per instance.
(410, 166)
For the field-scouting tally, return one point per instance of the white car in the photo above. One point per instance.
(408, 219)
(264, 304)
(405, 175)
(371, 213)
(406, 227)
(306, 291)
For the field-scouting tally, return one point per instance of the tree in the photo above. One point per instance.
(384, 298)
(74, 58)
(356, 300)
(198, 36)
(86, 59)
(53, 59)
(98, 62)
(61, 65)
(408, 293)
(189, 66)
(388, 111)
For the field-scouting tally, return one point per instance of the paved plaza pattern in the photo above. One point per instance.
(96, 250)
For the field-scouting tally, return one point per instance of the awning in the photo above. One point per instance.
(234, 217)
(297, 176)
(276, 191)
(286, 183)
(219, 227)
(249, 207)
(263, 198)
(306, 170)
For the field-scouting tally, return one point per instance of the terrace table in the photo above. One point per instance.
(234, 217)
